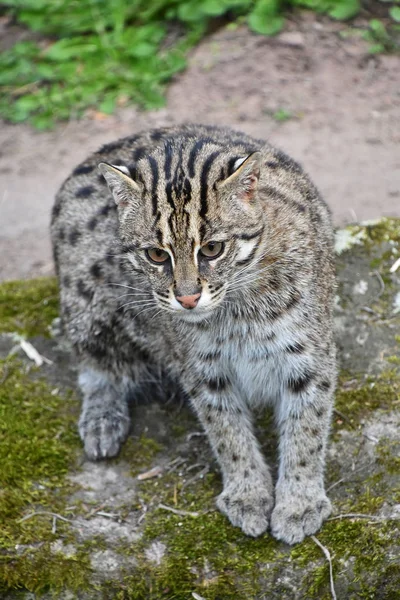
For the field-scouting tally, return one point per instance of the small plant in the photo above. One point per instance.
(282, 115)
(382, 37)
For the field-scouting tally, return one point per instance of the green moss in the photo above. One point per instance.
(41, 569)
(38, 445)
(357, 397)
(28, 307)
(140, 453)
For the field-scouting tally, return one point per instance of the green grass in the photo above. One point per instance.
(101, 55)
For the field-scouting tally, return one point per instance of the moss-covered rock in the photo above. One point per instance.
(74, 529)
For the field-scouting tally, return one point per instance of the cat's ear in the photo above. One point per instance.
(122, 186)
(244, 180)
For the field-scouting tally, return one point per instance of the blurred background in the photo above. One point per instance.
(318, 78)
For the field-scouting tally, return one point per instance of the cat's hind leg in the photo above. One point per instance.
(104, 421)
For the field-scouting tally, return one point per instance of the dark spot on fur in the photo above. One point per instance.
(319, 447)
(271, 164)
(296, 348)
(139, 153)
(92, 224)
(274, 283)
(235, 457)
(101, 180)
(211, 356)
(208, 419)
(66, 281)
(319, 412)
(300, 384)
(84, 291)
(110, 147)
(302, 463)
(85, 192)
(324, 385)
(274, 314)
(95, 270)
(74, 236)
(293, 301)
(315, 432)
(103, 212)
(217, 384)
(297, 477)
(61, 234)
(246, 474)
(156, 135)
(56, 210)
(83, 170)
(110, 259)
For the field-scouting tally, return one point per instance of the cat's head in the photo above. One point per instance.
(192, 226)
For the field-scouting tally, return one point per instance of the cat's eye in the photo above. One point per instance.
(157, 255)
(212, 250)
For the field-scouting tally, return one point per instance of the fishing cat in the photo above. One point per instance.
(208, 256)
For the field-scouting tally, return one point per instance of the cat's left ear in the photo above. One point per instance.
(125, 191)
(243, 182)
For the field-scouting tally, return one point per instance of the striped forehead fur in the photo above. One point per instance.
(179, 179)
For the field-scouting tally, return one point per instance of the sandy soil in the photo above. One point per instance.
(344, 127)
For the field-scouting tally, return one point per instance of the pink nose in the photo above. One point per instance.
(188, 301)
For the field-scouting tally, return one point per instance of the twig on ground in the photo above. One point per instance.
(54, 526)
(176, 511)
(195, 466)
(174, 464)
(395, 266)
(370, 310)
(198, 475)
(382, 283)
(109, 515)
(328, 558)
(363, 516)
(45, 513)
(371, 438)
(154, 472)
(33, 354)
(95, 510)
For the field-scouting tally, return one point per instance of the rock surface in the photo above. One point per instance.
(76, 529)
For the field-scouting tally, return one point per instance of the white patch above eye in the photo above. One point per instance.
(123, 169)
(246, 247)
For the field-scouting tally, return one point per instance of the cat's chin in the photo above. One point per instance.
(192, 316)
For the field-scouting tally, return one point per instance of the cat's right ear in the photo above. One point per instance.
(243, 182)
(123, 188)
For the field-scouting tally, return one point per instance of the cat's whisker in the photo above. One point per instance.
(129, 287)
(137, 303)
(136, 294)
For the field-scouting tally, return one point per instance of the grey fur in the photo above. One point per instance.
(261, 331)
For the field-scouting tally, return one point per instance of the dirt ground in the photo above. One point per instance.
(344, 127)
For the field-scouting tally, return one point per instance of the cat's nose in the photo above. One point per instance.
(188, 301)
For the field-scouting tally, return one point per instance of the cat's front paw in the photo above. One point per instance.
(103, 432)
(248, 509)
(299, 514)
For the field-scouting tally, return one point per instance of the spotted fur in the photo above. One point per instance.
(255, 325)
